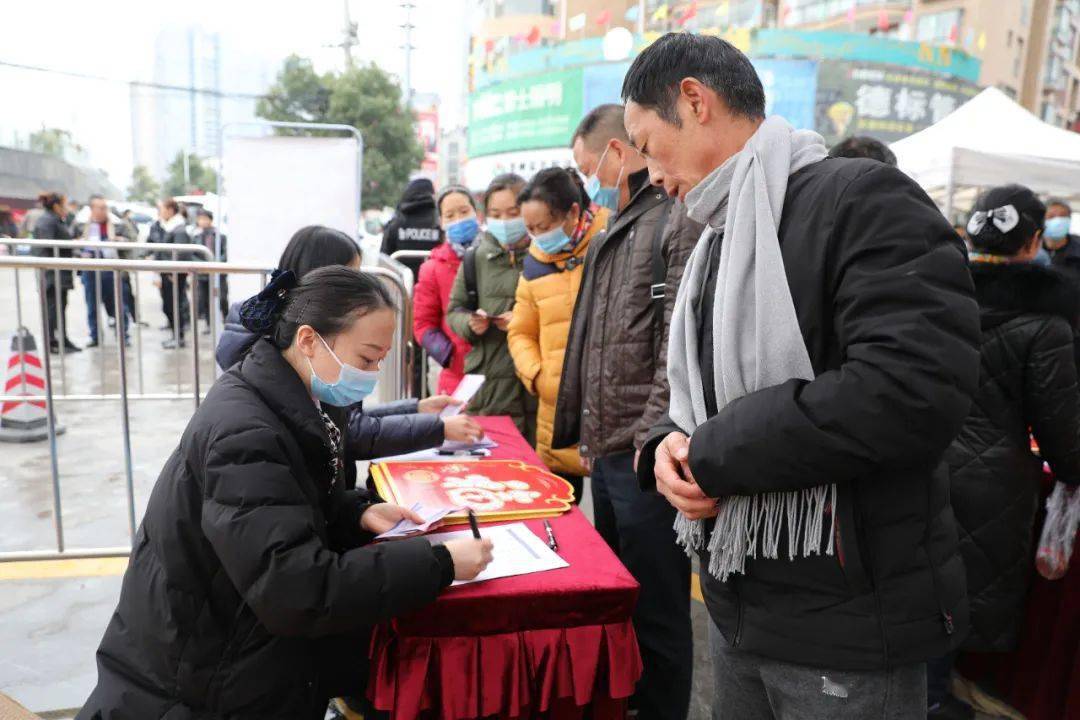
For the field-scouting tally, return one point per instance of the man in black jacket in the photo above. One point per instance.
(877, 287)
(614, 387)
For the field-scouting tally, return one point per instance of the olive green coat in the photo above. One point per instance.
(497, 272)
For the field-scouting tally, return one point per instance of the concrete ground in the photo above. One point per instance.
(52, 614)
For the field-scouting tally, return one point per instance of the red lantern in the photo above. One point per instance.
(534, 35)
(603, 18)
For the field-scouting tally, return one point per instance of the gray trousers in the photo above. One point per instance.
(751, 687)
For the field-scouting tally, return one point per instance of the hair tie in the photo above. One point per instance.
(1005, 218)
(259, 313)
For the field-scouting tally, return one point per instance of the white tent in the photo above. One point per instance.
(987, 141)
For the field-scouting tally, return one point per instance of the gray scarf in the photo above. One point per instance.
(757, 340)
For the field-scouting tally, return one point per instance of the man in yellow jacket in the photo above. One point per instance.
(558, 217)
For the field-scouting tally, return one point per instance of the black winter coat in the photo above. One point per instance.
(248, 568)
(1027, 379)
(50, 226)
(415, 225)
(393, 428)
(885, 304)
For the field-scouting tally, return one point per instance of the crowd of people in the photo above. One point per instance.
(776, 359)
(58, 218)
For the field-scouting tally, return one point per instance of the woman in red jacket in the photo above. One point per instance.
(457, 215)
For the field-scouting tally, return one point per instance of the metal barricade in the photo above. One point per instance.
(136, 248)
(398, 377)
(417, 354)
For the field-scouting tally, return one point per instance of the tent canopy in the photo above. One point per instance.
(990, 140)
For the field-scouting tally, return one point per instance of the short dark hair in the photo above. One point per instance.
(507, 181)
(205, 213)
(1060, 203)
(862, 146)
(556, 187)
(601, 124)
(49, 200)
(1032, 212)
(653, 78)
(451, 190)
(330, 299)
(316, 246)
(96, 196)
(171, 204)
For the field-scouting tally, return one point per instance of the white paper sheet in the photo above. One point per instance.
(407, 528)
(517, 551)
(455, 451)
(466, 389)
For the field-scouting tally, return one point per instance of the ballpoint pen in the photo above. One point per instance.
(551, 536)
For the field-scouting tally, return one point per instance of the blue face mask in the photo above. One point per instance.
(507, 232)
(351, 387)
(463, 232)
(1057, 228)
(553, 241)
(607, 197)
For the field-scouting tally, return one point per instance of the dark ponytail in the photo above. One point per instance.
(49, 200)
(558, 188)
(329, 299)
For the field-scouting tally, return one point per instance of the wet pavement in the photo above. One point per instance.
(52, 615)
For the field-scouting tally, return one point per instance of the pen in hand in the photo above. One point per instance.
(473, 525)
(551, 536)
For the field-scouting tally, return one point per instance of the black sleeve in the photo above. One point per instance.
(262, 529)
(389, 237)
(647, 457)
(907, 324)
(409, 406)
(369, 436)
(1052, 400)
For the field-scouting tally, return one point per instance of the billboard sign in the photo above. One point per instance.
(884, 102)
(532, 112)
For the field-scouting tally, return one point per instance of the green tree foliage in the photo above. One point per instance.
(200, 176)
(52, 141)
(144, 188)
(364, 97)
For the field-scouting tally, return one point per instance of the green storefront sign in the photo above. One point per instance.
(532, 112)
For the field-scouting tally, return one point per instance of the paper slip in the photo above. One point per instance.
(407, 528)
(469, 386)
(517, 551)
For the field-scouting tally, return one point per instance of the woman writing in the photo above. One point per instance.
(457, 214)
(252, 564)
(388, 429)
(1027, 379)
(557, 216)
(482, 316)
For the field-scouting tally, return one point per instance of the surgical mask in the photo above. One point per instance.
(1057, 228)
(351, 387)
(602, 196)
(553, 241)
(463, 232)
(507, 232)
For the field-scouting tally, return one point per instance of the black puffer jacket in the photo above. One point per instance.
(415, 225)
(248, 569)
(885, 303)
(1028, 379)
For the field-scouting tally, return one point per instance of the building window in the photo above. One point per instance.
(939, 28)
(1024, 12)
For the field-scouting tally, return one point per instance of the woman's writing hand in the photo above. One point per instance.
(470, 557)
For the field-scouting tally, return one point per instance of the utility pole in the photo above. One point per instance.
(349, 38)
(408, 47)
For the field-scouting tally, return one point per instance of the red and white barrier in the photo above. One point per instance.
(24, 420)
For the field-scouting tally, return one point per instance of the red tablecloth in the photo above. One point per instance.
(559, 642)
(1041, 678)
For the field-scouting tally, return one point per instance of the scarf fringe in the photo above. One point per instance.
(753, 525)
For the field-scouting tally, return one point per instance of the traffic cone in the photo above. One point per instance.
(24, 420)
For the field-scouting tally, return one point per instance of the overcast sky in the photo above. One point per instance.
(115, 38)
